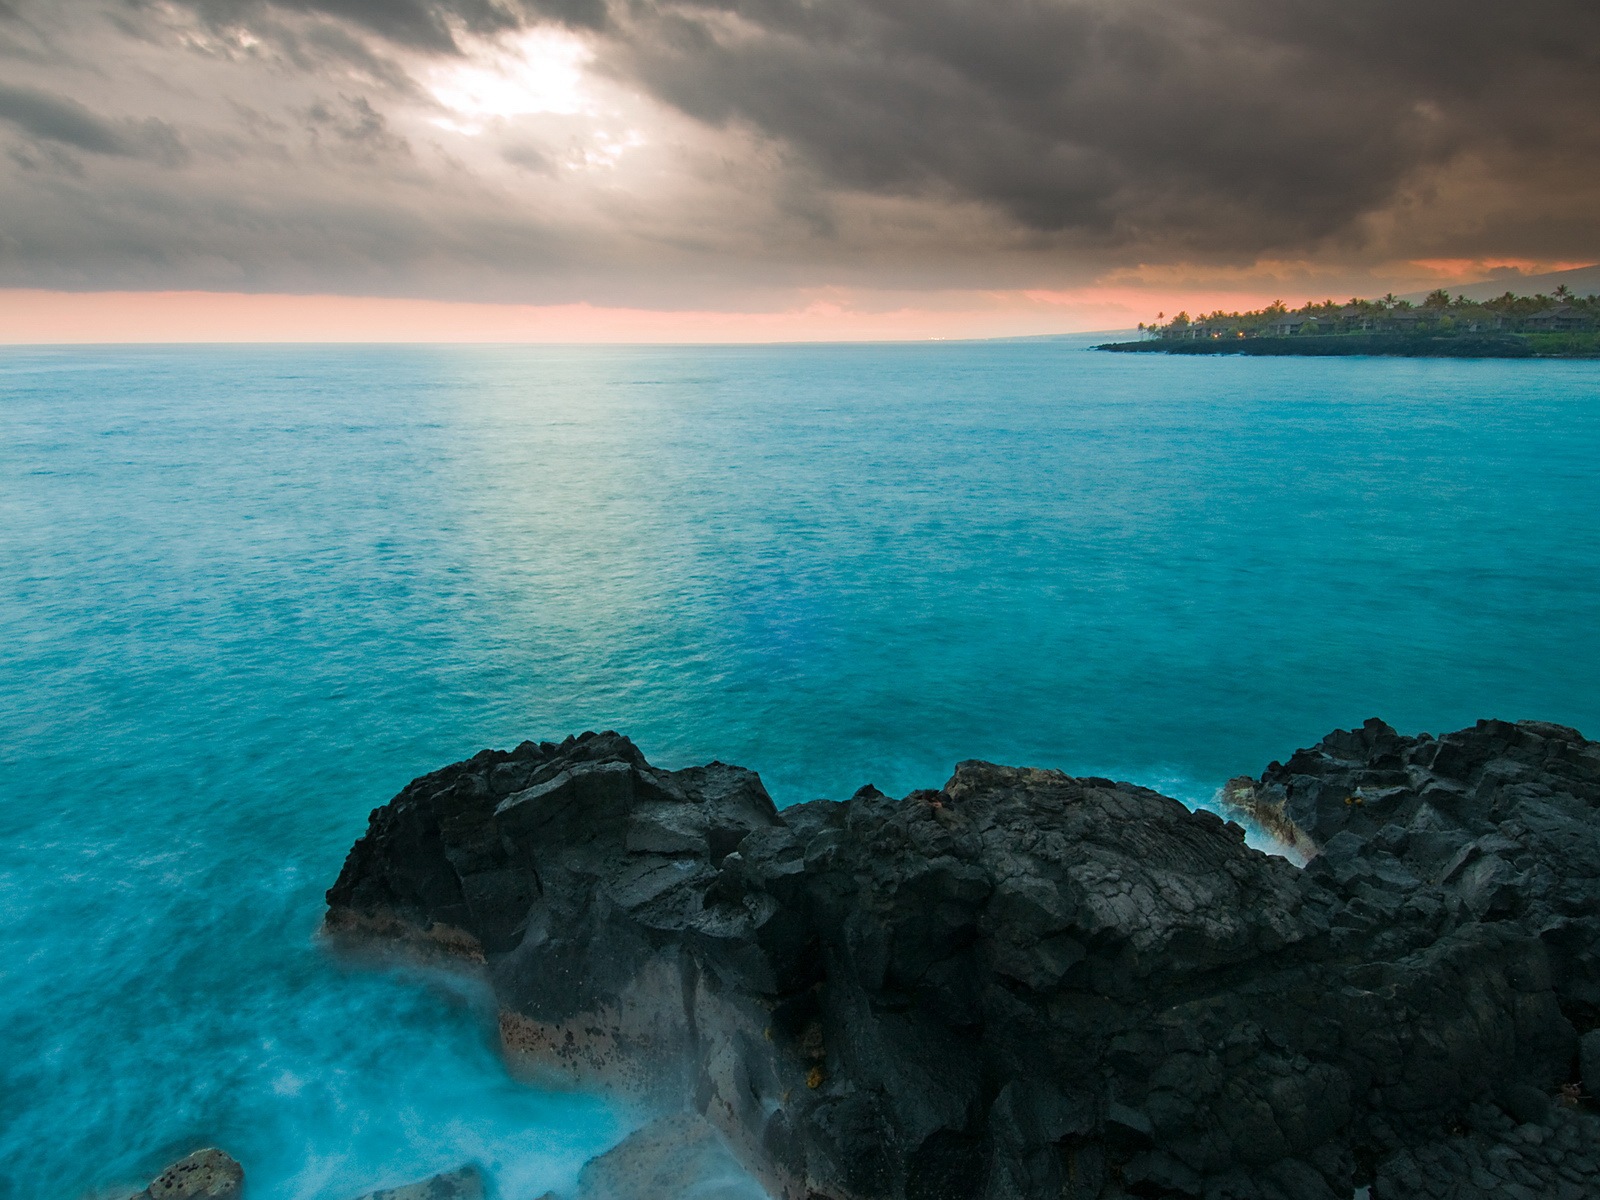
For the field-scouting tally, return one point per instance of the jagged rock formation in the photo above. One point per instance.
(1030, 985)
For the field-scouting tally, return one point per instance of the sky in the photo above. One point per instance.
(770, 169)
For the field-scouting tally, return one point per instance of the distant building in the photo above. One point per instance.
(1508, 314)
(1561, 319)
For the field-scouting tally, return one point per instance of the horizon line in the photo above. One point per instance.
(37, 317)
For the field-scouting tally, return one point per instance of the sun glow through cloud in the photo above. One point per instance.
(541, 70)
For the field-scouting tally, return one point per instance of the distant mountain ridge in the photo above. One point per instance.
(1580, 281)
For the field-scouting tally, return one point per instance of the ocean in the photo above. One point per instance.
(249, 592)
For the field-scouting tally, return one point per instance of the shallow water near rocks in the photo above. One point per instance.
(250, 592)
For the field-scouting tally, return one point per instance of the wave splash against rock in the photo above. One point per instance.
(1026, 984)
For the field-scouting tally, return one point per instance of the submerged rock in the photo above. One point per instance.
(463, 1184)
(1026, 984)
(204, 1175)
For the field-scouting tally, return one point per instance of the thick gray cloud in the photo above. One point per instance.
(422, 24)
(1214, 126)
(58, 119)
(746, 144)
(62, 120)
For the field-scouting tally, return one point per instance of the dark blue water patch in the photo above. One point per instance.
(249, 593)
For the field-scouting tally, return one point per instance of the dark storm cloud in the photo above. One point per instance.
(66, 122)
(413, 23)
(418, 24)
(889, 143)
(1211, 128)
(1234, 126)
(58, 119)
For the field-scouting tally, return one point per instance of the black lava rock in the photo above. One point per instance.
(1028, 985)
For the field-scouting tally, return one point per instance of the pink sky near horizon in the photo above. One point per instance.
(30, 317)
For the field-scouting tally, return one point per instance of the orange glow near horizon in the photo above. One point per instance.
(55, 318)
(1479, 270)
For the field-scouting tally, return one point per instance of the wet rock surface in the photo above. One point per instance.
(204, 1175)
(1026, 984)
(213, 1174)
(463, 1184)
(1555, 1157)
(677, 1156)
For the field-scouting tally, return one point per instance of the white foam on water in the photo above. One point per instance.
(158, 1015)
(1198, 796)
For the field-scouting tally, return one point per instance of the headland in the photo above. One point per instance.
(1025, 984)
(1510, 326)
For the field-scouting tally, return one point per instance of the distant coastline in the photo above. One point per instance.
(1510, 326)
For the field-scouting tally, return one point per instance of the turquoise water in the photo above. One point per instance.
(249, 593)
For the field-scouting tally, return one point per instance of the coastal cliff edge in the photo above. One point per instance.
(1025, 984)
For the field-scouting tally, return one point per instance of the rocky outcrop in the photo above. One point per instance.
(204, 1175)
(1026, 984)
(214, 1175)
